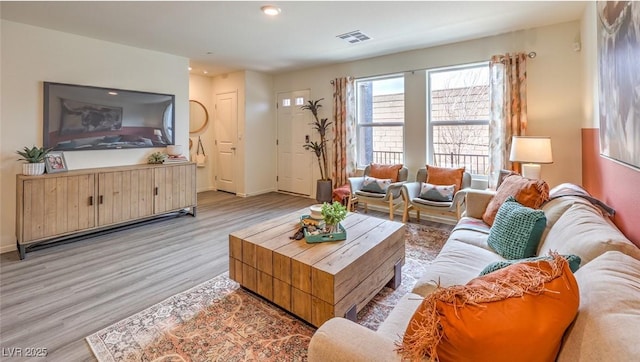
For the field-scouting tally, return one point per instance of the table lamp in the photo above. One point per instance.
(531, 152)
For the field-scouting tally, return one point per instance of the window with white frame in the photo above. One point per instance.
(458, 117)
(380, 120)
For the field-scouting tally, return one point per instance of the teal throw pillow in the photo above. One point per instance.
(442, 193)
(516, 231)
(574, 263)
(377, 185)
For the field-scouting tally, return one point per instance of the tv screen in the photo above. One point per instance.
(78, 117)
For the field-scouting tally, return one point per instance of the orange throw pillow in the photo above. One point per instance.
(445, 176)
(385, 171)
(518, 313)
(530, 193)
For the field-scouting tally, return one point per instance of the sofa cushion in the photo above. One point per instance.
(517, 313)
(442, 193)
(530, 193)
(457, 264)
(385, 171)
(516, 231)
(376, 185)
(583, 231)
(574, 263)
(445, 176)
(608, 322)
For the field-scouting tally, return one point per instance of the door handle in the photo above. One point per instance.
(90, 200)
(233, 148)
(100, 199)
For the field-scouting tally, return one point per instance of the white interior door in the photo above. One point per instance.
(295, 172)
(226, 121)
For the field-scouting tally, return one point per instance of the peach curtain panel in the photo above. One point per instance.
(508, 115)
(344, 148)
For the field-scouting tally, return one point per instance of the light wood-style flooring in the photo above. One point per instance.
(57, 296)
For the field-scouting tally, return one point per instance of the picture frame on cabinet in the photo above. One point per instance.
(54, 162)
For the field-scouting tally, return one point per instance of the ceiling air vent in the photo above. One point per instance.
(352, 37)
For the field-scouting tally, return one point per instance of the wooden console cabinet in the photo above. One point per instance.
(61, 205)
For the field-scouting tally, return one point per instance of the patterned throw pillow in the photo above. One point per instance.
(437, 192)
(517, 230)
(377, 185)
(574, 263)
(520, 312)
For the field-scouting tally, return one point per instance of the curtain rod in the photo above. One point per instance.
(530, 55)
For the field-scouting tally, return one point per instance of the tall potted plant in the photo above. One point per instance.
(324, 185)
(35, 160)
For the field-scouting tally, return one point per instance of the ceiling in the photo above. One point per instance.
(224, 36)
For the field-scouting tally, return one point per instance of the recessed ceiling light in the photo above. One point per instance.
(190, 68)
(205, 72)
(113, 93)
(271, 10)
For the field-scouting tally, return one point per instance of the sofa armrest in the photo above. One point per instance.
(477, 201)
(339, 339)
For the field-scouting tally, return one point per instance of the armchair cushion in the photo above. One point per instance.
(385, 171)
(437, 192)
(376, 185)
(530, 193)
(445, 176)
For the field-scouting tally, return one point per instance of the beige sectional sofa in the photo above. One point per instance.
(608, 320)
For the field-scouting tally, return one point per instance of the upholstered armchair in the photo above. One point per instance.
(378, 186)
(415, 197)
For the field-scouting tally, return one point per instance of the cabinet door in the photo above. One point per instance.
(55, 206)
(124, 196)
(175, 187)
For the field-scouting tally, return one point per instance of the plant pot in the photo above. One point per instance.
(32, 169)
(324, 190)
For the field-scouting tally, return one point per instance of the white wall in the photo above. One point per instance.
(31, 55)
(554, 88)
(589, 38)
(260, 134)
(201, 90)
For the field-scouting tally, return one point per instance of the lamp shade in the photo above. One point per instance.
(528, 149)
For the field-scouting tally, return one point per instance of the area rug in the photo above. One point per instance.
(219, 321)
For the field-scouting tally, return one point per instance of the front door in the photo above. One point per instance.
(295, 172)
(226, 121)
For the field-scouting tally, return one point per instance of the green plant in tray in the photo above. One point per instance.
(333, 214)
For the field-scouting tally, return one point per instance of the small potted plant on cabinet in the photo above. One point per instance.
(35, 160)
(324, 184)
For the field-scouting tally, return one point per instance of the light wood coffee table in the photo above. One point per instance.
(318, 281)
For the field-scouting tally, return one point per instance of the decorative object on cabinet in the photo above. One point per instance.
(55, 207)
(55, 162)
(35, 160)
(156, 158)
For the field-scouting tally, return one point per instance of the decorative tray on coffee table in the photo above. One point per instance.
(320, 238)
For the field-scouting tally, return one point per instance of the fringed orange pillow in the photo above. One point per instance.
(385, 171)
(516, 313)
(530, 193)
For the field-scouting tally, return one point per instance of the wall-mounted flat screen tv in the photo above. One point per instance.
(78, 117)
